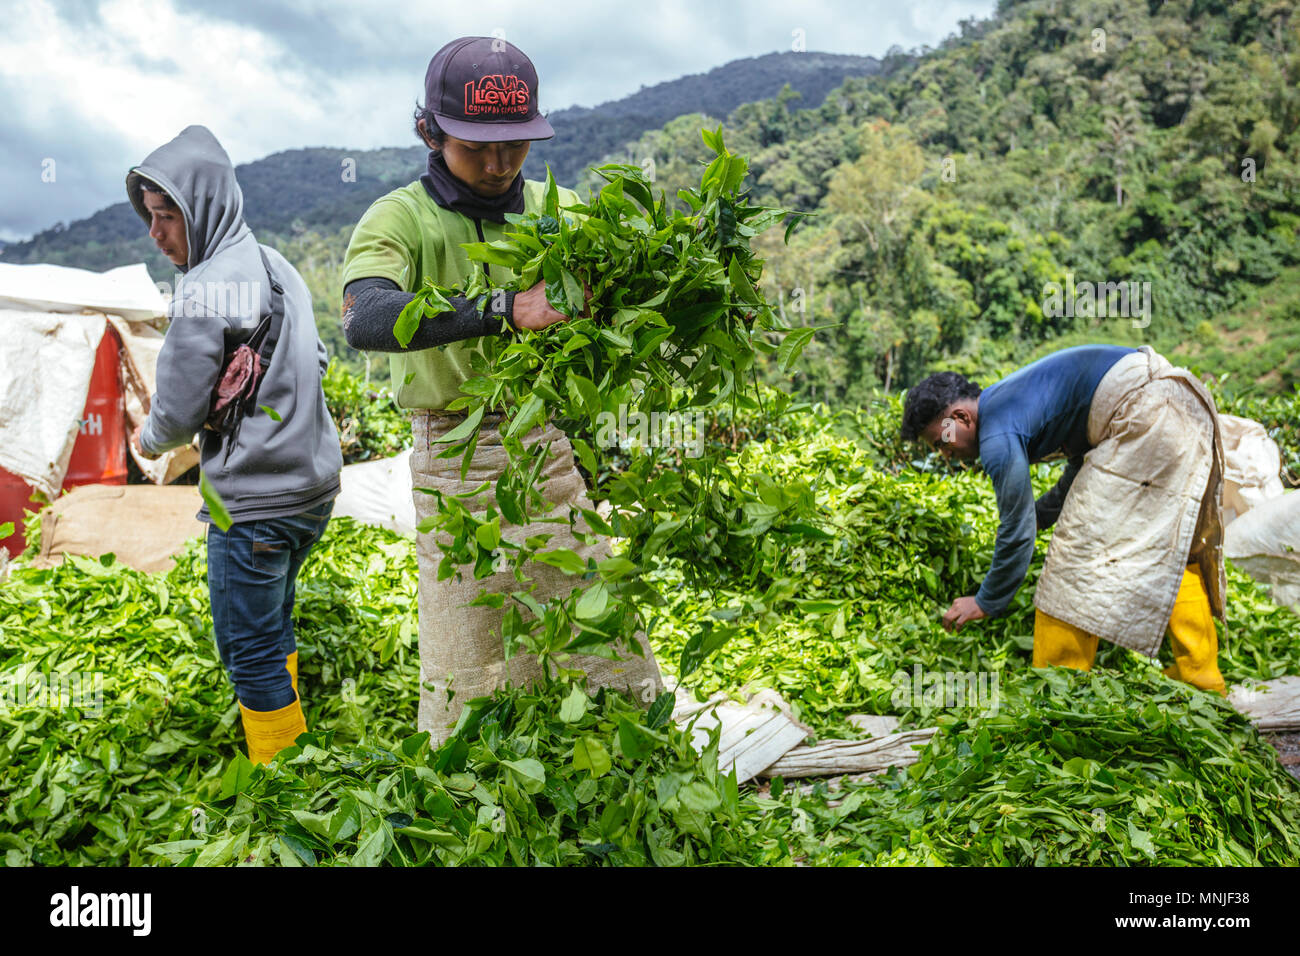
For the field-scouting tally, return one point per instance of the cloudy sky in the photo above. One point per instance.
(88, 88)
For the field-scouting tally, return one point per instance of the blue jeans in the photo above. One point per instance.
(252, 570)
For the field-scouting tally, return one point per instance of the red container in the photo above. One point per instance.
(99, 454)
(15, 495)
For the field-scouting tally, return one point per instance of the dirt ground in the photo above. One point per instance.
(1288, 747)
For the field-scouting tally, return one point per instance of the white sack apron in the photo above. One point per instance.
(462, 646)
(1145, 504)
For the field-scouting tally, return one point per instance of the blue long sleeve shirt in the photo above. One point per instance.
(1029, 415)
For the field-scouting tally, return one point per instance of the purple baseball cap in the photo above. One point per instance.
(484, 90)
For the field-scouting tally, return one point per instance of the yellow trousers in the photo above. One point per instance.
(1191, 633)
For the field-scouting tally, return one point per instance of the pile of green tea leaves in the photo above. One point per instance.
(149, 771)
(1101, 769)
(1120, 766)
(96, 777)
(144, 774)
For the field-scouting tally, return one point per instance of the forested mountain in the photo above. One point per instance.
(323, 190)
(1084, 146)
(286, 193)
(581, 135)
(956, 200)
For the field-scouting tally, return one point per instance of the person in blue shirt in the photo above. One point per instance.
(1159, 443)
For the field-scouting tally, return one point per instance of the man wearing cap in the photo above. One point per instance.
(479, 116)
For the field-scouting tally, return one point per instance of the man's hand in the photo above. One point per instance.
(963, 611)
(532, 311)
(135, 443)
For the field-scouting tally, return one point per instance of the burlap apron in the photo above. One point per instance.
(461, 647)
(1146, 502)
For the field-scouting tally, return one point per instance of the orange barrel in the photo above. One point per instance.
(99, 453)
(15, 495)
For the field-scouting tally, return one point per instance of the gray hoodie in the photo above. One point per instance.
(274, 468)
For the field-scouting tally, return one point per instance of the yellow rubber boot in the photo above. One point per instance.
(270, 731)
(1192, 637)
(1059, 644)
(291, 662)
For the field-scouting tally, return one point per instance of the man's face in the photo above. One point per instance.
(486, 168)
(953, 434)
(167, 228)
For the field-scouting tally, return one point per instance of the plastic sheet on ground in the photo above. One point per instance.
(834, 757)
(1272, 705)
(753, 734)
(761, 738)
(379, 493)
(1252, 465)
(874, 725)
(1265, 543)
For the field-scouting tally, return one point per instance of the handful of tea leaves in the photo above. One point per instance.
(672, 327)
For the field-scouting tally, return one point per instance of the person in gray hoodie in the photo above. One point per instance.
(278, 474)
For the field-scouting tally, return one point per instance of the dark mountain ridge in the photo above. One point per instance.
(326, 189)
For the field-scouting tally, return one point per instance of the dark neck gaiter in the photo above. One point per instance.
(450, 193)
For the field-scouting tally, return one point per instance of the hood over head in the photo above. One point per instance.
(198, 175)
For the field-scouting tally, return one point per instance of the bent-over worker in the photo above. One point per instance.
(1137, 547)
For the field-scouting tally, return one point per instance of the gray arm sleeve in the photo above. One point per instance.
(371, 307)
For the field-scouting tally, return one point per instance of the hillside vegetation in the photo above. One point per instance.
(1146, 150)
(1068, 143)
